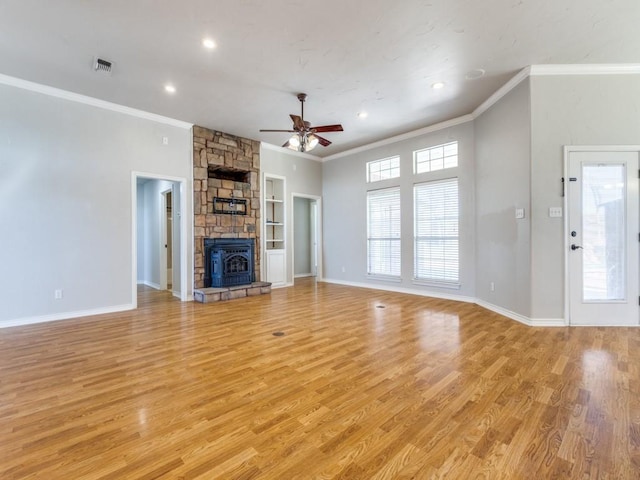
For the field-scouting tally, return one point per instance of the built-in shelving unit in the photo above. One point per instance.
(274, 229)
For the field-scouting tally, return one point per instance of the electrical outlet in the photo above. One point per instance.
(57, 294)
(344, 269)
(492, 287)
(165, 140)
(519, 212)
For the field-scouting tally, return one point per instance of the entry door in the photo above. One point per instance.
(603, 238)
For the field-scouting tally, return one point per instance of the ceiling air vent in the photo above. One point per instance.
(102, 66)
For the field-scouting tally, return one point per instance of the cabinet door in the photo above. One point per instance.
(276, 267)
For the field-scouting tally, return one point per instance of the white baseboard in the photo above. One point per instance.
(303, 275)
(531, 322)
(155, 286)
(548, 322)
(65, 316)
(504, 312)
(410, 291)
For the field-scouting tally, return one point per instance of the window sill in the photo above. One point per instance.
(427, 283)
(384, 278)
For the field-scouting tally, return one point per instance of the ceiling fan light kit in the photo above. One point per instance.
(305, 138)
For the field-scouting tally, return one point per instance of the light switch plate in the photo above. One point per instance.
(519, 212)
(555, 212)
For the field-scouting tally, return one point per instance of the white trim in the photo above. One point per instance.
(504, 312)
(155, 286)
(182, 183)
(410, 291)
(379, 277)
(66, 315)
(288, 151)
(501, 92)
(548, 322)
(398, 138)
(587, 69)
(303, 275)
(532, 70)
(94, 102)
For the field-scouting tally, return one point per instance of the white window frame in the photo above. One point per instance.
(446, 272)
(430, 152)
(394, 166)
(391, 233)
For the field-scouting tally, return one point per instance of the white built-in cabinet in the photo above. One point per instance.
(274, 232)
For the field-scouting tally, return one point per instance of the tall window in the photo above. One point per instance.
(436, 231)
(383, 169)
(436, 158)
(383, 232)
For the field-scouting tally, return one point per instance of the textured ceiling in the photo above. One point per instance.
(381, 56)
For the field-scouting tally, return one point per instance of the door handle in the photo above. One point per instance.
(575, 247)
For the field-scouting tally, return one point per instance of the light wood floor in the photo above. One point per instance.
(421, 388)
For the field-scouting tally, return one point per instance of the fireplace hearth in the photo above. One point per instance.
(228, 262)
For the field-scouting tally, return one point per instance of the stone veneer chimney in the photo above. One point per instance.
(224, 166)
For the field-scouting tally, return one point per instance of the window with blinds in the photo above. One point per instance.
(383, 232)
(436, 231)
(384, 169)
(436, 158)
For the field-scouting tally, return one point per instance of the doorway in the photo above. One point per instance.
(306, 236)
(159, 227)
(166, 238)
(602, 236)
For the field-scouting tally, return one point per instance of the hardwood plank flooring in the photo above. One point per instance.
(364, 384)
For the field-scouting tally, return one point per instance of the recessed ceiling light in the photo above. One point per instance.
(208, 43)
(437, 85)
(363, 114)
(169, 88)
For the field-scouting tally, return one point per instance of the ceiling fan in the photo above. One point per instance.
(305, 138)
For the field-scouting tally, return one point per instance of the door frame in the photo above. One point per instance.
(568, 149)
(164, 241)
(182, 182)
(318, 200)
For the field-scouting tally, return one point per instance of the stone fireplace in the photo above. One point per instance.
(226, 190)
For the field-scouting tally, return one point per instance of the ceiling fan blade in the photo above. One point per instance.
(298, 124)
(323, 141)
(328, 128)
(290, 131)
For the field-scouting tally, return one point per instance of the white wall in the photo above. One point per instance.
(503, 152)
(569, 110)
(65, 202)
(303, 175)
(301, 236)
(344, 203)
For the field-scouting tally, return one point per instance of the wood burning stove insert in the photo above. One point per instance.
(228, 262)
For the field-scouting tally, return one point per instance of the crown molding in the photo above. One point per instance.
(416, 133)
(501, 92)
(586, 69)
(542, 70)
(288, 151)
(94, 102)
